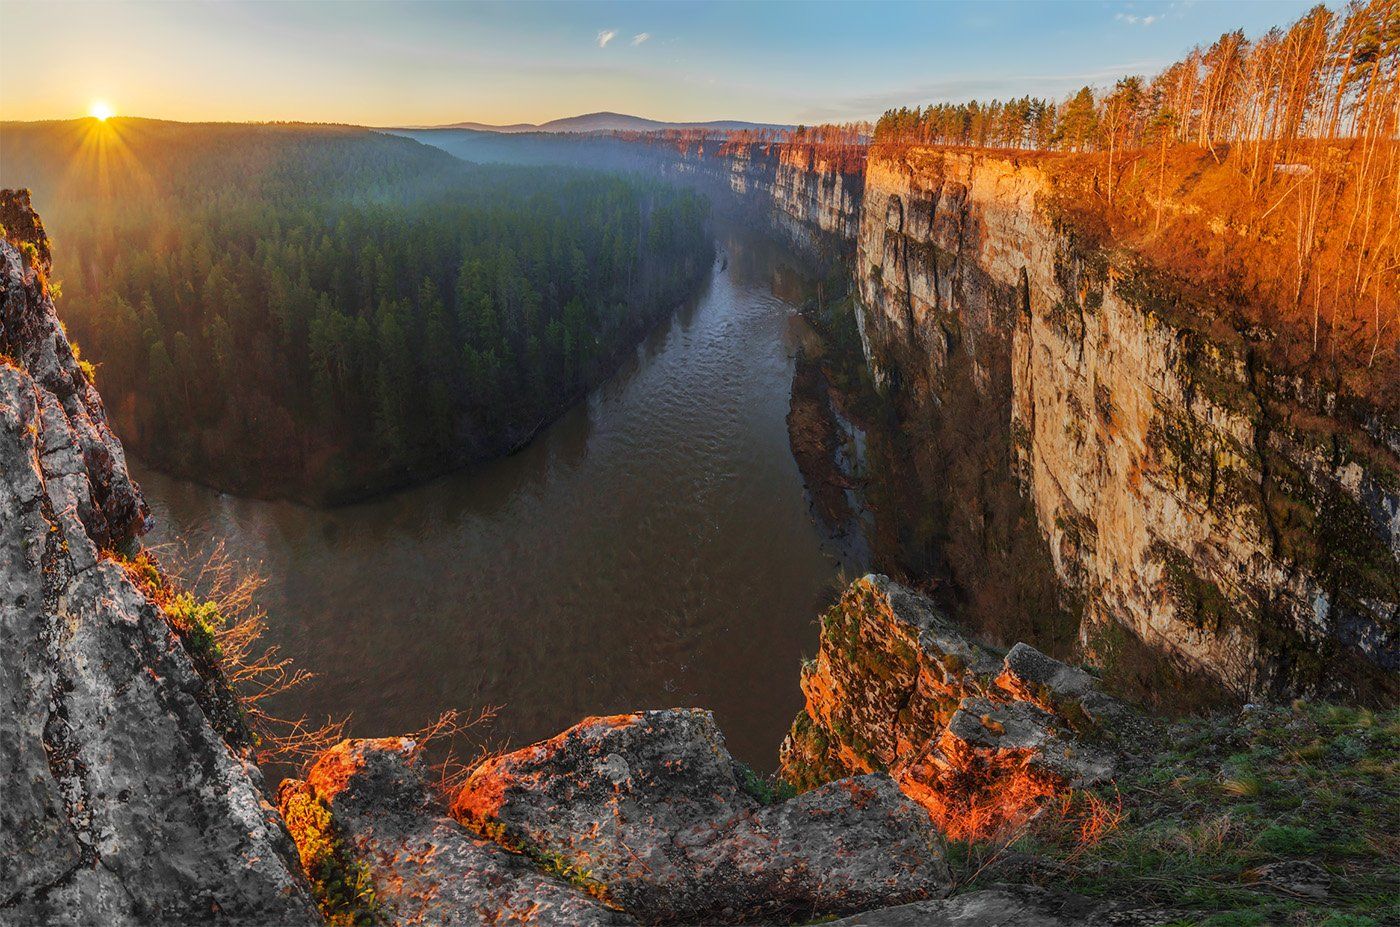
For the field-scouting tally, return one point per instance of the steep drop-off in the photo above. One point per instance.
(1236, 521)
(1090, 454)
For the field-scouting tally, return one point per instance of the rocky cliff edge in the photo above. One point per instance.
(123, 805)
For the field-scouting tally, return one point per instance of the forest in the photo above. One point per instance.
(1265, 168)
(325, 312)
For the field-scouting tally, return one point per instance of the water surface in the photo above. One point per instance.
(652, 548)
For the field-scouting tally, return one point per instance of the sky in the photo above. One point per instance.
(410, 63)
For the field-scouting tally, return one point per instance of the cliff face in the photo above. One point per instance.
(1226, 516)
(1114, 468)
(123, 804)
(811, 197)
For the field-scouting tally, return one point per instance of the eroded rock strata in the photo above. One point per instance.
(979, 739)
(123, 804)
(655, 809)
(1236, 520)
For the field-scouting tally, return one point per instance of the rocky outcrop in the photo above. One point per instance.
(123, 804)
(981, 741)
(425, 867)
(653, 808)
(1226, 516)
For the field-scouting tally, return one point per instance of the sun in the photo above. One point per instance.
(100, 110)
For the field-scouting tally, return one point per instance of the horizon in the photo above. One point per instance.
(429, 65)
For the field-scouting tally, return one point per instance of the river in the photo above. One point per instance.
(652, 548)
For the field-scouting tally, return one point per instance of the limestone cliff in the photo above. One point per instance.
(1242, 523)
(813, 197)
(1110, 467)
(123, 803)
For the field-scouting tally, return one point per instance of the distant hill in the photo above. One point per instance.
(609, 122)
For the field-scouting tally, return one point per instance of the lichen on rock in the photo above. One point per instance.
(981, 743)
(654, 808)
(380, 848)
(123, 803)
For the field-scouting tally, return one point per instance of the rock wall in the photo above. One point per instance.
(1228, 517)
(981, 739)
(811, 197)
(122, 804)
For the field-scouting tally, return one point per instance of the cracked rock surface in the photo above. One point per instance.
(652, 806)
(981, 740)
(122, 804)
(427, 869)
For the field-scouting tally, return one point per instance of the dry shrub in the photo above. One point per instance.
(443, 739)
(213, 583)
(223, 593)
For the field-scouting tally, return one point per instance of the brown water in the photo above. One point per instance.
(652, 548)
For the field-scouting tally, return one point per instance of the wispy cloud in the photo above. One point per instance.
(1134, 20)
(605, 36)
(640, 37)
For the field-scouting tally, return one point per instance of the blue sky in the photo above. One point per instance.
(430, 63)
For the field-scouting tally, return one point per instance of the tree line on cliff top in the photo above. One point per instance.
(1299, 130)
(1329, 75)
(325, 311)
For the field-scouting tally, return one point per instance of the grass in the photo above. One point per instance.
(341, 884)
(1207, 803)
(768, 790)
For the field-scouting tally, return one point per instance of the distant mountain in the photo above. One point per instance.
(609, 122)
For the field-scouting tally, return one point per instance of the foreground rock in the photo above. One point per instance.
(1013, 906)
(122, 804)
(653, 808)
(425, 867)
(981, 742)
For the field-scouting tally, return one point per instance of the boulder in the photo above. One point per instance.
(426, 869)
(655, 809)
(1064, 690)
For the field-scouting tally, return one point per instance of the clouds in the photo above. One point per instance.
(1133, 20)
(607, 35)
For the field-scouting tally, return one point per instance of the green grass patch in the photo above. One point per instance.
(1211, 803)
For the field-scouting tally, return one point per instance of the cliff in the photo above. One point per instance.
(124, 802)
(1235, 521)
(812, 196)
(1092, 454)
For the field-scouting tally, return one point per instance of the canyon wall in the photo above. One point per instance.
(1231, 519)
(1110, 468)
(809, 192)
